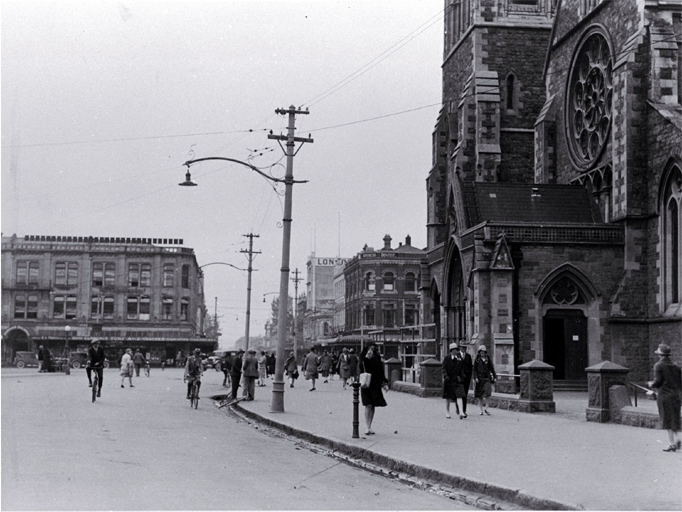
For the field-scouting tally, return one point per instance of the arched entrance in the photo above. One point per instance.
(565, 343)
(14, 340)
(455, 303)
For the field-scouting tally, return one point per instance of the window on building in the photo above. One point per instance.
(109, 274)
(144, 308)
(27, 272)
(168, 273)
(66, 274)
(369, 315)
(167, 308)
(58, 306)
(389, 282)
(671, 211)
(410, 282)
(20, 306)
(32, 307)
(108, 307)
(71, 307)
(510, 92)
(184, 309)
(72, 274)
(369, 282)
(145, 275)
(97, 274)
(389, 315)
(133, 275)
(138, 308)
(185, 276)
(411, 315)
(95, 307)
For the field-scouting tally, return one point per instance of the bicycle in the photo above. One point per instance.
(95, 382)
(194, 394)
(230, 401)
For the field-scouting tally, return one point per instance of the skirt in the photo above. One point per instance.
(453, 390)
(372, 396)
(484, 389)
(126, 372)
(669, 411)
(310, 375)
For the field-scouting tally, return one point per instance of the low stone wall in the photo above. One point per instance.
(636, 418)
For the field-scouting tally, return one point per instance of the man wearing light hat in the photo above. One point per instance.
(668, 381)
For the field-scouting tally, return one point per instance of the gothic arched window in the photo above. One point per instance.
(671, 214)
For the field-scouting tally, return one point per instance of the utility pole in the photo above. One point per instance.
(291, 140)
(296, 279)
(250, 253)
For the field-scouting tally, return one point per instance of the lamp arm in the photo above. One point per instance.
(252, 167)
(221, 263)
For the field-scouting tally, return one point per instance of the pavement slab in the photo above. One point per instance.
(540, 461)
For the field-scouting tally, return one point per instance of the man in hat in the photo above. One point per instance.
(236, 372)
(250, 372)
(194, 368)
(668, 382)
(96, 358)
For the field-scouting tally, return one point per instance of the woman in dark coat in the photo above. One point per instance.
(668, 381)
(453, 381)
(372, 397)
(484, 377)
(291, 368)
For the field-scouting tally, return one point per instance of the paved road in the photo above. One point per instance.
(144, 448)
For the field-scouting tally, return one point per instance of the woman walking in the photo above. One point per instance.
(325, 365)
(484, 377)
(353, 366)
(291, 368)
(127, 367)
(372, 396)
(344, 367)
(262, 368)
(453, 381)
(668, 381)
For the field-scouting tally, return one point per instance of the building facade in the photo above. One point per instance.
(137, 293)
(554, 193)
(320, 300)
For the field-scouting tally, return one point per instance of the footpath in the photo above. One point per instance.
(533, 461)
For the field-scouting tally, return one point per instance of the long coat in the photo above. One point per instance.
(668, 381)
(250, 366)
(373, 395)
(453, 377)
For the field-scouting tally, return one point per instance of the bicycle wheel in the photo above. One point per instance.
(95, 385)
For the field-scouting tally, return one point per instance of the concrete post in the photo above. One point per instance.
(392, 366)
(431, 377)
(600, 378)
(537, 394)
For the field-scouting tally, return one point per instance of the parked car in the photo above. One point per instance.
(24, 359)
(80, 360)
(217, 358)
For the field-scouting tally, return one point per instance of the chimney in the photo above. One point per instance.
(387, 242)
(408, 240)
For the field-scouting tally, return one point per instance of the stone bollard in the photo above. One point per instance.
(600, 378)
(537, 394)
(356, 414)
(432, 377)
(392, 366)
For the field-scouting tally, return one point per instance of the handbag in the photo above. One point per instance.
(295, 374)
(365, 379)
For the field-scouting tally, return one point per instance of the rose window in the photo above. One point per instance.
(590, 93)
(565, 292)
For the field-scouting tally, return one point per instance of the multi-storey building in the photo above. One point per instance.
(319, 314)
(554, 196)
(382, 288)
(339, 319)
(139, 293)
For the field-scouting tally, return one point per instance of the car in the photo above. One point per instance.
(80, 360)
(24, 359)
(217, 358)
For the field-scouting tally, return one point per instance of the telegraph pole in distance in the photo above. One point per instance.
(296, 279)
(291, 140)
(250, 253)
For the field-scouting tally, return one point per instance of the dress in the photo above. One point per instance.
(373, 395)
(126, 366)
(290, 366)
(325, 365)
(668, 381)
(310, 366)
(484, 372)
(344, 367)
(262, 367)
(453, 378)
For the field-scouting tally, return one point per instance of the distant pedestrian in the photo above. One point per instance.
(127, 367)
(40, 359)
(353, 365)
(95, 363)
(291, 368)
(194, 369)
(310, 364)
(668, 382)
(272, 364)
(335, 363)
(178, 359)
(343, 366)
(139, 361)
(467, 372)
(453, 381)
(47, 361)
(250, 374)
(325, 365)
(484, 377)
(226, 367)
(262, 368)
(236, 372)
(372, 396)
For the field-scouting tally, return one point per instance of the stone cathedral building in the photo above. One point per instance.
(554, 196)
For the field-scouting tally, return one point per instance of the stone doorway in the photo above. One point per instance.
(565, 343)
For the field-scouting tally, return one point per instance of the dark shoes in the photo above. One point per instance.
(312, 389)
(90, 385)
(122, 386)
(99, 394)
(671, 448)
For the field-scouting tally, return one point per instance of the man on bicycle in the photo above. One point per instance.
(194, 368)
(96, 362)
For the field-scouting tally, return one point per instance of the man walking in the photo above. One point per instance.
(138, 361)
(236, 373)
(467, 370)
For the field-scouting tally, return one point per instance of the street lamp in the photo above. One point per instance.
(248, 288)
(278, 384)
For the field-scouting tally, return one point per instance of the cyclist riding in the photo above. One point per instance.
(96, 362)
(194, 368)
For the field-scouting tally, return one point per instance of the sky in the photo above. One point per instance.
(103, 102)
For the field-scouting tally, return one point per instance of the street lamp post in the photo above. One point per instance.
(278, 384)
